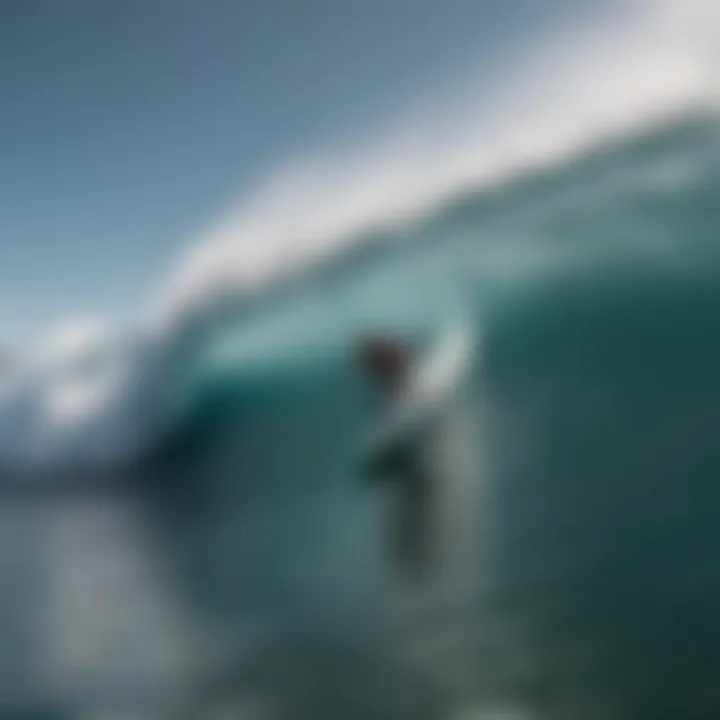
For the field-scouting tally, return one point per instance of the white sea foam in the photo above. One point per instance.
(575, 87)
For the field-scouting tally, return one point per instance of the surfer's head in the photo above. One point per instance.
(385, 359)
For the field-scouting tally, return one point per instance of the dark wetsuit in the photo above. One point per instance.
(405, 467)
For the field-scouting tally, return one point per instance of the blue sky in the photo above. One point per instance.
(127, 125)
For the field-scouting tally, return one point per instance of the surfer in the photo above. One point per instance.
(403, 462)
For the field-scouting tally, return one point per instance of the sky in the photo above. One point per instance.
(127, 127)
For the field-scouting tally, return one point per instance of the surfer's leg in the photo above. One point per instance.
(413, 533)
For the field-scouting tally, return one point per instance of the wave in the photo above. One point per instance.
(90, 397)
(594, 123)
(584, 84)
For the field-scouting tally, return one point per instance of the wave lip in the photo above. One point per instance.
(581, 85)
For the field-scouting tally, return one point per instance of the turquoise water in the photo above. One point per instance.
(593, 587)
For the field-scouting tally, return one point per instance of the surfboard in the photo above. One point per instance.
(435, 382)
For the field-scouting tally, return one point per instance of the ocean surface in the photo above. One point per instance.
(220, 548)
